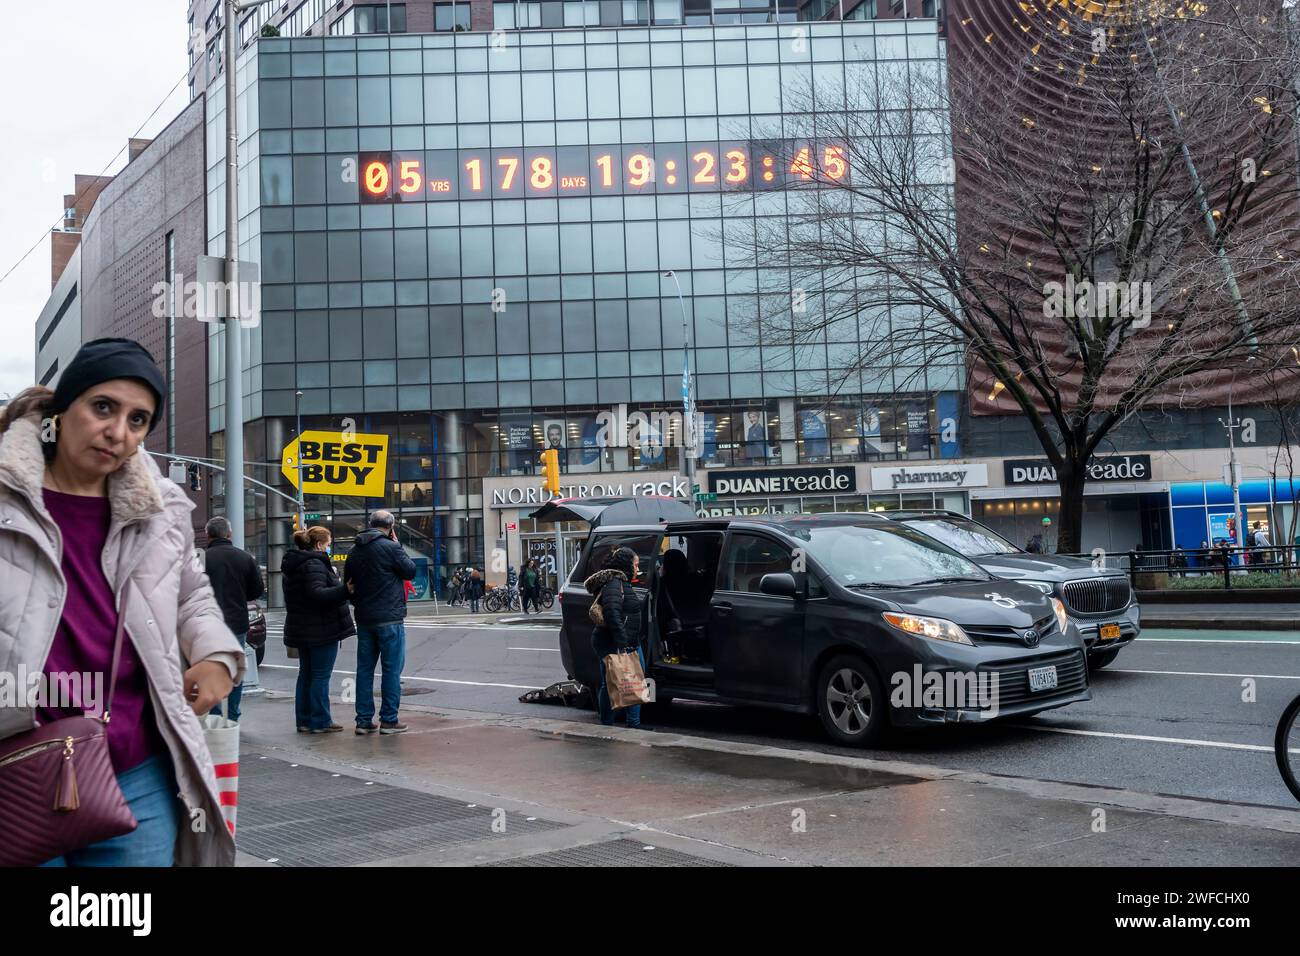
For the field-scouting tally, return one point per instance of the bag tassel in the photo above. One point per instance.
(65, 794)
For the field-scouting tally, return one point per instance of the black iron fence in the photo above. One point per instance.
(1226, 562)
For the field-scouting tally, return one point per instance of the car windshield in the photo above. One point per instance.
(964, 535)
(890, 555)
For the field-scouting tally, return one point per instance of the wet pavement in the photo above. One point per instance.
(467, 789)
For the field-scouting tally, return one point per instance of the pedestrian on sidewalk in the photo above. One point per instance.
(623, 619)
(474, 589)
(236, 580)
(316, 621)
(94, 536)
(457, 582)
(530, 585)
(376, 573)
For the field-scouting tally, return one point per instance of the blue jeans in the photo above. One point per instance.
(387, 644)
(150, 791)
(311, 702)
(633, 713)
(236, 692)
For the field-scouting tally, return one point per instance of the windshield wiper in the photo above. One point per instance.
(952, 580)
(875, 585)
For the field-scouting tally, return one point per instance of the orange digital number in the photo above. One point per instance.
(475, 169)
(738, 173)
(410, 174)
(641, 169)
(834, 163)
(705, 174)
(376, 178)
(510, 164)
(542, 177)
(606, 164)
(802, 165)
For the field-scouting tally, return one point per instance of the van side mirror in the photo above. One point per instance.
(781, 585)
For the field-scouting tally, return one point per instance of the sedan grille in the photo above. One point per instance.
(1096, 595)
(1013, 679)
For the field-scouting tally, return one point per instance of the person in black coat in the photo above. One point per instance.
(376, 573)
(316, 620)
(612, 587)
(236, 580)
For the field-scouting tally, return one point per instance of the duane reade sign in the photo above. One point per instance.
(929, 476)
(1033, 471)
(784, 481)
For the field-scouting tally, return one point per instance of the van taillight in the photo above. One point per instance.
(560, 597)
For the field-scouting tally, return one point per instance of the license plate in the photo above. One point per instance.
(1042, 678)
(1109, 632)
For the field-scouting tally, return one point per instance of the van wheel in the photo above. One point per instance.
(851, 702)
(1098, 661)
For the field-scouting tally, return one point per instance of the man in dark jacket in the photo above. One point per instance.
(375, 572)
(235, 580)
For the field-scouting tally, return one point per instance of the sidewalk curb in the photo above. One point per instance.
(1210, 811)
(1219, 624)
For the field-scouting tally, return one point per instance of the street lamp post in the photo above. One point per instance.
(234, 429)
(297, 458)
(688, 394)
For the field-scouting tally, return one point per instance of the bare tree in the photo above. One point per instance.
(1084, 224)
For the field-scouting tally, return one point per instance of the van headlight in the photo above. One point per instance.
(935, 628)
(1062, 619)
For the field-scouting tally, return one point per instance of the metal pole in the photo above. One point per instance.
(1229, 274)
(302, 511)
(234, 360)
(688, 395)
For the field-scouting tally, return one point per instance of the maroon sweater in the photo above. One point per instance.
(83, 643)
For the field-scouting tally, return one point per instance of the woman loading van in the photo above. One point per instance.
(623, 620)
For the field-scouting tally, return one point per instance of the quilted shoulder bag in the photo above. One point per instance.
(58, 786)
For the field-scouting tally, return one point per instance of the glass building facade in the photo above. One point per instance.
(463, 238)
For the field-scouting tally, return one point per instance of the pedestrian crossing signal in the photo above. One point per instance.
(551, 470)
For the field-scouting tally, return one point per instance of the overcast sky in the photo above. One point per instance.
(79, 78)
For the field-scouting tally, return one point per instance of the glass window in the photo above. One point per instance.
(503, 15)
(452, 16)
(748, 557)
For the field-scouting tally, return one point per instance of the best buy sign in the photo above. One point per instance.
(337, 463)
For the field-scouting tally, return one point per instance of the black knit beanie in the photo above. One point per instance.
(106, 359)
(621, 560)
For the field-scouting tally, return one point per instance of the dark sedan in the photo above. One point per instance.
(1099, 600)
(861, 620)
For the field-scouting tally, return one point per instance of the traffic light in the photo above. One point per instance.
(296, 526)
(196, 478)
(551, 470)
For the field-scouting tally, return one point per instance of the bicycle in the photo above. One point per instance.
(1286, 747)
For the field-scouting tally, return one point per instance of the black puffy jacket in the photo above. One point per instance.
(315, 600)
(622, 608)
(378, 568)
(235, 580)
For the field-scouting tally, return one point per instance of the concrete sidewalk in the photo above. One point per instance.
(1222, 616)
(462, 788)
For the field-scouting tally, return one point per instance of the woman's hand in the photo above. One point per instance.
(352, 587)
(207, 683)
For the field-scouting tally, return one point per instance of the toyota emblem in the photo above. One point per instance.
(1031, 638)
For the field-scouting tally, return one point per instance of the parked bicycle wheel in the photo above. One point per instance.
(1286, 746)
(492, 601)
(547, 598)
(515, 602)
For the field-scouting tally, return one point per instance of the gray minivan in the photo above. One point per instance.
(862, 621)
